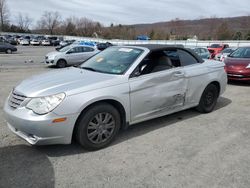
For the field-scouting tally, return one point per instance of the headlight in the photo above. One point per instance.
(43, 105)
(248, 66)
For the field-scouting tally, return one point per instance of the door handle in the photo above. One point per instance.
(179, 74)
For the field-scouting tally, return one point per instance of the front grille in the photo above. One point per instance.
(16, 99)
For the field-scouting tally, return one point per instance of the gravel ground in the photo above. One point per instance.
(185, 149)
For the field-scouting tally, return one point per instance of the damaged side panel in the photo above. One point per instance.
(156, 93)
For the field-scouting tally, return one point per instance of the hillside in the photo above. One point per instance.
(210, 28)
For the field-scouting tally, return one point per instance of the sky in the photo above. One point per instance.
(130, 11)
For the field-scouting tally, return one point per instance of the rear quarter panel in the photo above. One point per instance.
(202, 75)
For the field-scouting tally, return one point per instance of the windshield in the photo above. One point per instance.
(64, 49)
(227, 50)
(241, 53)
(114, 60)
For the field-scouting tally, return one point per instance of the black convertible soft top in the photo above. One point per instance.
(154, 47)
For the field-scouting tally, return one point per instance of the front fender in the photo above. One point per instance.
(77, 103)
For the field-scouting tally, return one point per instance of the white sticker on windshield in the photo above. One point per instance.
(125, 50)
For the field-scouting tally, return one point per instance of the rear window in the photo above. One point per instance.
(215, 46)
(186, 58)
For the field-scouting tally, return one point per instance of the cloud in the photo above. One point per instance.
(131, 11)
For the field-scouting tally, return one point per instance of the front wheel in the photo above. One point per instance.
(98, 126)
(8, 51)
(61, 63)
(208, 99)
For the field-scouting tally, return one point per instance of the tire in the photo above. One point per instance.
(208, 99)
(61, 63)
(93, 134)
(8, 51)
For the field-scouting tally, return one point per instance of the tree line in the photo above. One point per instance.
(51, 22)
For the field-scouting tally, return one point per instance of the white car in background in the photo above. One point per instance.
(45, 42)
(70, 55)
(35, 42)
(24, 42)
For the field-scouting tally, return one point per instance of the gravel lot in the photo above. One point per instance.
(186, 149)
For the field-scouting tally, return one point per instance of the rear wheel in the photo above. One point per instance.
(61, 63)
(8, 51)
(98, 126)
(208, 99)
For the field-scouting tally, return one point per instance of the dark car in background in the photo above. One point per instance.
(202, 52)
(104, 45)
(238, 64)
(54, 41)
(7, 47)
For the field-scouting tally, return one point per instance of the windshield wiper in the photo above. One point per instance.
(89, 68)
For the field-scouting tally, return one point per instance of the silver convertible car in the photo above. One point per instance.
(118, 87)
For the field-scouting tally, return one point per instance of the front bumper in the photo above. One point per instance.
(39, 129)
(243, 75)
(49, 61)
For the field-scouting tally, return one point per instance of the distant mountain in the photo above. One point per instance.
(208, 28)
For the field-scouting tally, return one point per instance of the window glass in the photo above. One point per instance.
(203, 50)
(174, 56)
(241, 53)
(114, 60)
(66, 48)
(186, 58)
(215, 46)
(88, 49)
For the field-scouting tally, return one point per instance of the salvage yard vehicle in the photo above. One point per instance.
(45, 42)
(24, 42)
(118, 87)
(70, 55)
(35, 42)
(238, 64)
(202, 52)
(6, 47)
(214, 49)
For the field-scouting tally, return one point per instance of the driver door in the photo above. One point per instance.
(74, 55)
(157, 93)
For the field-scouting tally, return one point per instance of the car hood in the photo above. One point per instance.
(70, 81)
(54, 54)
(237, 61)
(236, 64)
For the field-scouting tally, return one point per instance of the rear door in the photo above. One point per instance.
(87, 52)
(73, 56)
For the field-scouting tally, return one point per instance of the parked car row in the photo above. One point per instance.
(32, 40)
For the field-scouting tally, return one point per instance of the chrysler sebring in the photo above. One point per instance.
(118, 87)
